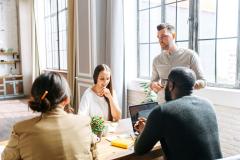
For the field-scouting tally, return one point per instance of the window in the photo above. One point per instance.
(206, 26)
(55, 19)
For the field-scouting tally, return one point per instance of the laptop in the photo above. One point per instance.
(141, 110)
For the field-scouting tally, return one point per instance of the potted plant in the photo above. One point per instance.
(150, 96)
(97, 125)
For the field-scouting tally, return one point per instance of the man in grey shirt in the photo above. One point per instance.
(172, 56)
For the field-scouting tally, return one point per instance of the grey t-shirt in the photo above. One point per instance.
(163, 63)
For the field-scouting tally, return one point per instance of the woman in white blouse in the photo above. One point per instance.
(100, 99)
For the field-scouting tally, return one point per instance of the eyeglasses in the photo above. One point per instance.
(164, 82)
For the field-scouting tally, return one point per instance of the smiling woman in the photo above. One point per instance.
(100, 99)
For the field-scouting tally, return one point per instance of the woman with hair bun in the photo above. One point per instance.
(54, 134)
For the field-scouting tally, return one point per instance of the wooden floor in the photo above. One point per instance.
(12, 111)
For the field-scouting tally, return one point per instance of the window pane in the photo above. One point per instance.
(54, 44)
(62, 20)
(182, 44)
(155, 19)
(60, 5)
(47, 7)
(53, 6)
(226, 61)
(65, 40)
(171, 14)
(48, 31)
(182, 20)
(48, 25)
(49, 59)
(56, 32)
(144, 60)
(169, 1)
(154, 3)
(144, 26)
(227, 18)
(60, 41)
(154, 51)
(143, 4)
(63, 60)
(54, 24)
(66, 3)
(207, 57)
(207, 16)
(55, 60)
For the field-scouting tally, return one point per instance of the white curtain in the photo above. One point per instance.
(115, 56)
(39, 52)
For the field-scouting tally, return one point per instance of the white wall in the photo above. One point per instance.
(8, 35)
(8, 24)
(227, 105)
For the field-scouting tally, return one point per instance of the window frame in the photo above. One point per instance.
(50, 16)
(193, 40)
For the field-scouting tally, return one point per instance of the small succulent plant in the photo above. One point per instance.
(97, 125)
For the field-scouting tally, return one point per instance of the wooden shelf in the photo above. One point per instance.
(11, 76)
(9, 53)
(10, 62)
(11, 85)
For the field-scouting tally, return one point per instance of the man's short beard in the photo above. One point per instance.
(166, 47)
(167, 94)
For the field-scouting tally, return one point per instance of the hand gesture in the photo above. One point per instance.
(68, 109)
(156, 86)
(140, 124)
(199, 84)
(106, 92)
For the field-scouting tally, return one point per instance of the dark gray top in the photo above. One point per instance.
(186, 128)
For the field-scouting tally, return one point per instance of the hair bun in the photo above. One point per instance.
(40, 106)
(34, 105)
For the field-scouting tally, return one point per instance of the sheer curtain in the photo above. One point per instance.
(35, 51)
(72, 52)
(115, 56)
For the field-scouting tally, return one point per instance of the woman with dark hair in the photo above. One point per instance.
(100, 99)
(54, 134)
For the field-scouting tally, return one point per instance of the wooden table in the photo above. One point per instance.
(107, 152)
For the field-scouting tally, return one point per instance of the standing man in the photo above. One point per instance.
(172, 56)
(186, 125)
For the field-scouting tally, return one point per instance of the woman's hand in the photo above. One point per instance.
(68, 109)
(106, 92)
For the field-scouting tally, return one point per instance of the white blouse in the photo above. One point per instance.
(93, 105)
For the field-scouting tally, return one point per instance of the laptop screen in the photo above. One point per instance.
(141, 110)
